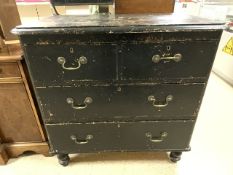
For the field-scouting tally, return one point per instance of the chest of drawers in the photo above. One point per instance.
(119, 83)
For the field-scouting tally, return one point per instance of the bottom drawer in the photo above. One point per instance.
(131, 136)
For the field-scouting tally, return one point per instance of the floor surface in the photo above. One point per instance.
(212, 148)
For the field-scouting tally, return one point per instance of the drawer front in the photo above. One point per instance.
(138, 136)
(9, 70)
(69, 63)
(168, 61)
(123, 103)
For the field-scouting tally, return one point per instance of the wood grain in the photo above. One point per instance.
(17, 122)
(144, 6)
(9, 18)
(15, 150)
(9, 70)
(10, 58)
(1, 41)
(14, 49)
(11, 80)
(36, 117)
(10, 52)
(3, 155)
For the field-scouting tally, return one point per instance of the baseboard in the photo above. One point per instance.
(223, 76)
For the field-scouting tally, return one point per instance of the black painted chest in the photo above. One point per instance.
(119, 83)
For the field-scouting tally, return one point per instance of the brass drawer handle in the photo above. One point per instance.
(151, 98)
(80, 61)
(157, 58)
(161, 138)
(81, 141)
(88, 100)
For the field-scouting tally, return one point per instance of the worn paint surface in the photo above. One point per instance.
(119, 75)
(118, 24)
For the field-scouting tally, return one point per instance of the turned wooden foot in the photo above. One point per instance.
(63, 159)
(175, 156)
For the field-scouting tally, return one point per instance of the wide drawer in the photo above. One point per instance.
(133, 136)
(50, 64)
(9, 70)
(168, 61)
(122, 103)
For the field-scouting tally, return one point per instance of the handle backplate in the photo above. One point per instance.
(80, 61)
(158, 139)
(86, 102)
(158, 104)
(81, 141)
(157, 58)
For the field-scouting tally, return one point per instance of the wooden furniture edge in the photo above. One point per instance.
(14, 150)
(3, 155)
(10, 58)
(11, 80)
(31, 101)
(8, 42)
(12, 52)
(22, 79)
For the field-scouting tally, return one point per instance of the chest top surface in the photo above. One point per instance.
(118, 23)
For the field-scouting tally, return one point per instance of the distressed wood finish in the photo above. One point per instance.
(106, 62)
(140, 87)
(112, 103)
(99, 57)
(121, 136)
(192, 54)
(124, 24)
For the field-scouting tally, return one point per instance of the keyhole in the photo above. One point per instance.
(118, 89)
(71, 50)
(168, 48)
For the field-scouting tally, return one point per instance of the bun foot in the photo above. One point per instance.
(63, 159)
(175, 156)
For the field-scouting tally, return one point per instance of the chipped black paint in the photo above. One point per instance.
(118, 24)
(119, 76)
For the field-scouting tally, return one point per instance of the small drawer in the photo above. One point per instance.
(123, 103)
(50, 64)
(167, 61)
(9, 70)
(132, 136)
